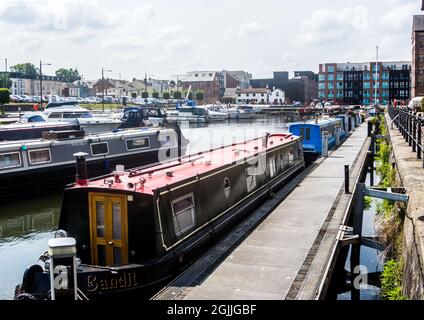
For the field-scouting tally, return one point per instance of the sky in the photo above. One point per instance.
(164, 38)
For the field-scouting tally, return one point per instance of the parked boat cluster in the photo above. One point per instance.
(135, 211)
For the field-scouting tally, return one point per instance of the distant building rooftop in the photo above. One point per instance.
(418, 23)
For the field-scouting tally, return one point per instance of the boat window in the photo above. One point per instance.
(10, 160)
(308, 134)
(36, 119)
(153, 113)
(86, 115)
(251, 178)
(302, 133)
(227, 188)
(55, 115)
(98, 149)
(139, 143)
(165, 140)
(291, 157)
(39, 156)
(183, 214)
(100, 219)
(272, 169)
(116, 221)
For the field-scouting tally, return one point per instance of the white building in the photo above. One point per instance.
(261, 96)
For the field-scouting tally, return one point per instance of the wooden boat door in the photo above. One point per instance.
(108, 229)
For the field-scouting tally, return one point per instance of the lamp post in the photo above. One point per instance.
(41, 80)
(103, 87)
(5, 75)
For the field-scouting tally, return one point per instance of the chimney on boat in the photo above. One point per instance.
(81, 168)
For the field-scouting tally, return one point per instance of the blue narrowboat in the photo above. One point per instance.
(311, 133)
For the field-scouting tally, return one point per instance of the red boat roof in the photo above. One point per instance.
(159, 176)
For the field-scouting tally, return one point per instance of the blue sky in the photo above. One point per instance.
(166, 37)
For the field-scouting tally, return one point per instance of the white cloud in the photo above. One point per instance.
(399, 18)
(250, 28)
(326, 25)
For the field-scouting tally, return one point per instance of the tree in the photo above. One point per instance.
(200, 95)
(133, 95)
(5, 80)
(68, 75)
(177, 95)
(166, 95)
(422, 105)
(190, 95)
(144, 94)
(155, 95)
(172, 83)
(4, 98)
(27, 69)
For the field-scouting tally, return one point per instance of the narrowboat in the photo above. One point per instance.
(31, 126)
(33, 167)
(311, 133)
(137, 229)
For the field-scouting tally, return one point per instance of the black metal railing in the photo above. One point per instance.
(410, 125)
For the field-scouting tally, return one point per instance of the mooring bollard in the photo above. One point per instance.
(369, 129)
(347, 187)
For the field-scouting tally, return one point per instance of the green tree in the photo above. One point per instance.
(200, 95)
(155, 95)
(68, 75)
(177, 95)
(4, 98)
(166, 95)
(422, 105)
(133, 95)
(5, 80)
(27, 69)
(144, 94)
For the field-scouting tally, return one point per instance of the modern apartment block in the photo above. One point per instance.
(364, 83)
(418, 56)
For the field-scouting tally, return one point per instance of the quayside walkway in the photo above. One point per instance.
(285, 254)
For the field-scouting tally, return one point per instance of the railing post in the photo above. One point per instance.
(414, 133)
(369, 128)
(410, 128)
(347, 182)
(419, 134)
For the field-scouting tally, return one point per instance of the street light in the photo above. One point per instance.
(103, 87)
(41, 80)
(5, 75)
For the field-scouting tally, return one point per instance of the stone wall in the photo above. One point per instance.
(411, 173)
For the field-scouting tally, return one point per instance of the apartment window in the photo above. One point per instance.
(98, 149)
(136, 144)
(330, 85)
(330, 69)
(10, 160)
(367, 85)
(39, 156)
(331, 77)
(183, 214)
(321, 85)
(322, 77)
(340, 76)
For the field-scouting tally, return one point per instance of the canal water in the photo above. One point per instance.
(26, 225)
(370, 260)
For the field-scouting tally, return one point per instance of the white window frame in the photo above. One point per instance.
(126, 143)
(100, 154)
(37, 163)
(193, 214)
(10, 167)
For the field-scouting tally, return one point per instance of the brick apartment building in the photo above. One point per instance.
(357, 83)
(418, 56)
(210, 82)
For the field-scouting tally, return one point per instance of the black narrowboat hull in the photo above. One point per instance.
(143, 281)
